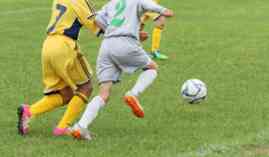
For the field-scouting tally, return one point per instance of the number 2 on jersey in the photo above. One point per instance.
(62, 9)
(117, 21)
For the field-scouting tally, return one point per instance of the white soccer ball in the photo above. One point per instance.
(194, 91)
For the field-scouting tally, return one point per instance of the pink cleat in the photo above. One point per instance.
(61, 131)
(24, 116)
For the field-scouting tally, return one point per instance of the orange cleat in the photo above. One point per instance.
(80, 133)
(134, 104)
(76, 134)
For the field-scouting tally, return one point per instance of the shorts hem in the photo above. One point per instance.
(52, 90)
(83, 82)
(113, 81)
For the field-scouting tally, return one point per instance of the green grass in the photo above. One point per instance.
(224, 43)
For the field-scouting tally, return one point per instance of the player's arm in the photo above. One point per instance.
(149, 5)
(102, 17)
(143, 36)
(149, 15)
(86, 14)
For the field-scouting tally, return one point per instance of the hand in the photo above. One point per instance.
(143, 36)
(168, 13)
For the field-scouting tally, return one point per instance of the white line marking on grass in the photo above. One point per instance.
(206, 150)
(23, 11)
(261, 138)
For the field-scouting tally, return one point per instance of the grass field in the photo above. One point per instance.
(224, 43)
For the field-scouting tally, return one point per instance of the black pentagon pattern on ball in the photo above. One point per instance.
(186, 93)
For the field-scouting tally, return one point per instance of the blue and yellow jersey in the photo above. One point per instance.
(68, 16)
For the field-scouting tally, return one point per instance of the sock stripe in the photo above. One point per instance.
(82, 96)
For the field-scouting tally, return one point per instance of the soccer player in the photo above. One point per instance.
(121, 52)
(156, 34)
(66, 73)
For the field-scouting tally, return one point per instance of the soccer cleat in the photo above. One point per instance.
(80, 133)
(134, 104)
(24, 116)
(158, 55)
(61, 131)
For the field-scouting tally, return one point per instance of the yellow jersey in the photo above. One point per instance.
(68, 16)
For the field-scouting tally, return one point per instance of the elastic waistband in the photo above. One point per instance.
(119, 36)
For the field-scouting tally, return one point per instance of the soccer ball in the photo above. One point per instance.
(193, 91)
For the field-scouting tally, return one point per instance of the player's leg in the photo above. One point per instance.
(107, 73)
(144, 80)
(91, 112)
(78, 76)
(51, 101)
(54, 97)
(156, 39)
(131, 57)
(46, 104)
(96, 104)
(155, 45)
(74, 108)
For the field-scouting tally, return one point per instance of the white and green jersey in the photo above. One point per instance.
(122, 17)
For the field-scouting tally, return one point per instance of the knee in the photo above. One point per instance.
(105, 95)
(152, 66)
(104, 92)
(160, 22)
(86, 89)
(66, 94)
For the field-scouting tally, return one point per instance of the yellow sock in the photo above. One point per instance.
(47, 103)
(156, 39)
(74, 108)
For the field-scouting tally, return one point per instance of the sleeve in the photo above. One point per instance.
(86, 14)
(149, 5)
(102, 18)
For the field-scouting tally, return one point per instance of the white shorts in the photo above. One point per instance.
(117, 55)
